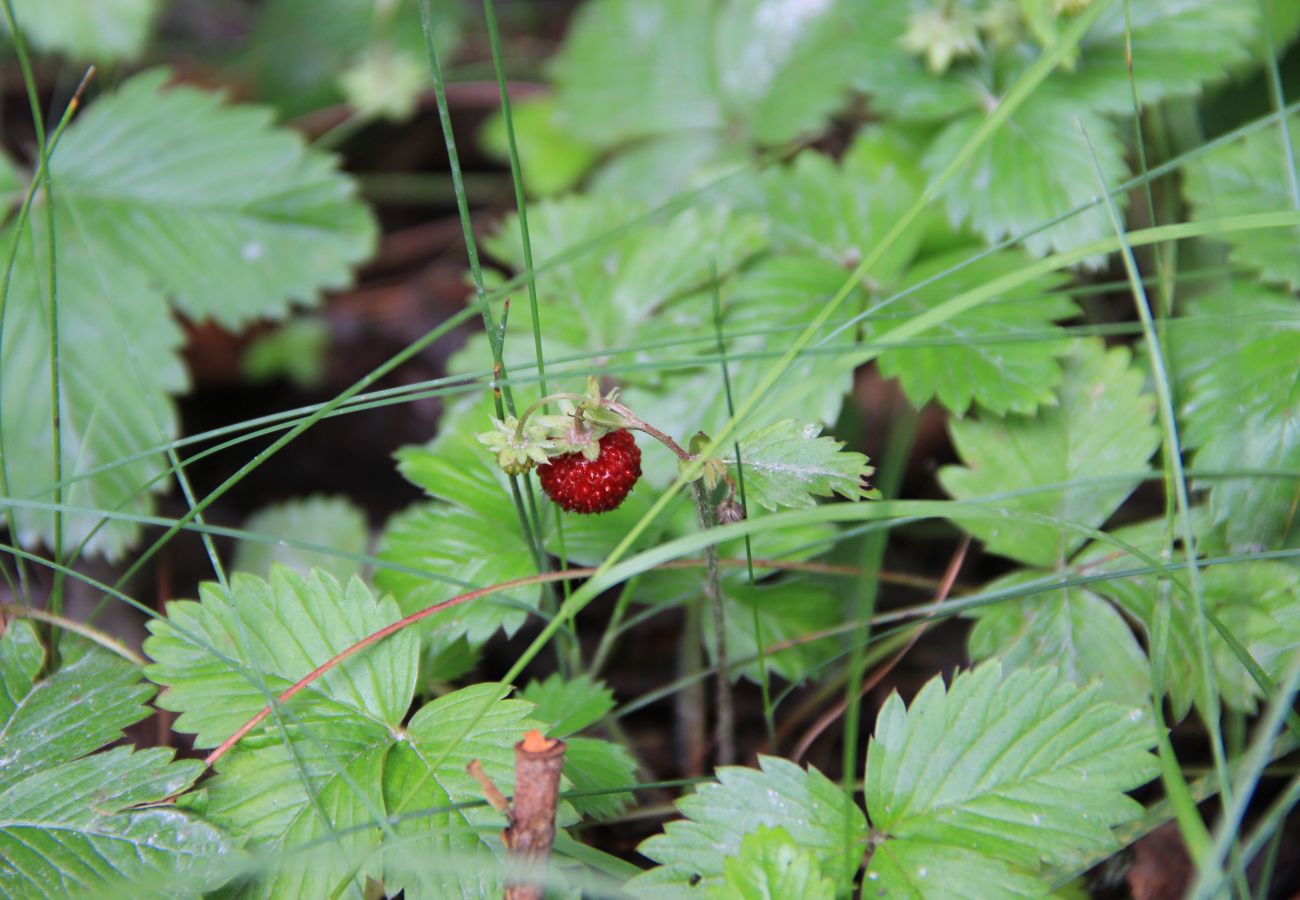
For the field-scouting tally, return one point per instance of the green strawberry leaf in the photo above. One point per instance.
(1002, 356)
(47, 720)
(1076, 461)
(70, 829)
(788, 465)
(1177, 47)
(771, 866)
(99, 30)
(213, 657)
(65, 824)
(333, 522)
(1029, 770)
(1243, 412)
(1259, 603)
(767, 69)
(1085, 635)
(115, 395)
(439, 552)
(163, 194)
(569, 705)
(839, 212)
(232, 219)
(426, 771)
(595, 765)
(1245, 177)
(1035, 168)
(811, 808)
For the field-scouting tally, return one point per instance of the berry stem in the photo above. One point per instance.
(636, 422)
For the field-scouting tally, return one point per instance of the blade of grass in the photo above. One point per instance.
(1190, 823)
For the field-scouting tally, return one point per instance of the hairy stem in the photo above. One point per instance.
(725, 725)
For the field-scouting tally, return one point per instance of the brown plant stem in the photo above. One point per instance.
(539, 762)
(724, 733)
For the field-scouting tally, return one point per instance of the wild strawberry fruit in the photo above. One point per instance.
(581, 485)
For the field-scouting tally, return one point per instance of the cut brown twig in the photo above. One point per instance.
(539, 761)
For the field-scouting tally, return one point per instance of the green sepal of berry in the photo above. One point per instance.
(515, 453)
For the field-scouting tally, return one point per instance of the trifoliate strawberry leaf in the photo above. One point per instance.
(568, 706)
(1086, 454)
(1029, 769)
(1243, 412)
(766, 69)
(595, 765)
(770, 866)
(468, 551)
(46, 720)
(97, 30)
(64, 825)
(1036, 167)
(1245, 177)
(456, 834)
(1078, 630)
(1002, 356)
(69, 829)
(216, 658)
(788, 465)
(811, 808)
(333, 522)
(230, 217)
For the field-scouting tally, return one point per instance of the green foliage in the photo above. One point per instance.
(163, 195)
(95, 30)
(328, 522)
(1087, 637)
(341, 753)
(763, 69)
(1002, 355)
(68, 822)
(551, 159)
(785, 611)
(1075, 461)
(599, 766)
(1250, 176)
(1028, 771)
(992, 781)
(770, 866)
(219, 657)
(787, 464)
(779, 794)
(296, 351)
(568, 705)
(1242, 413)
(303, 53)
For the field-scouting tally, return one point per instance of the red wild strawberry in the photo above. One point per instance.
(593, 486)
